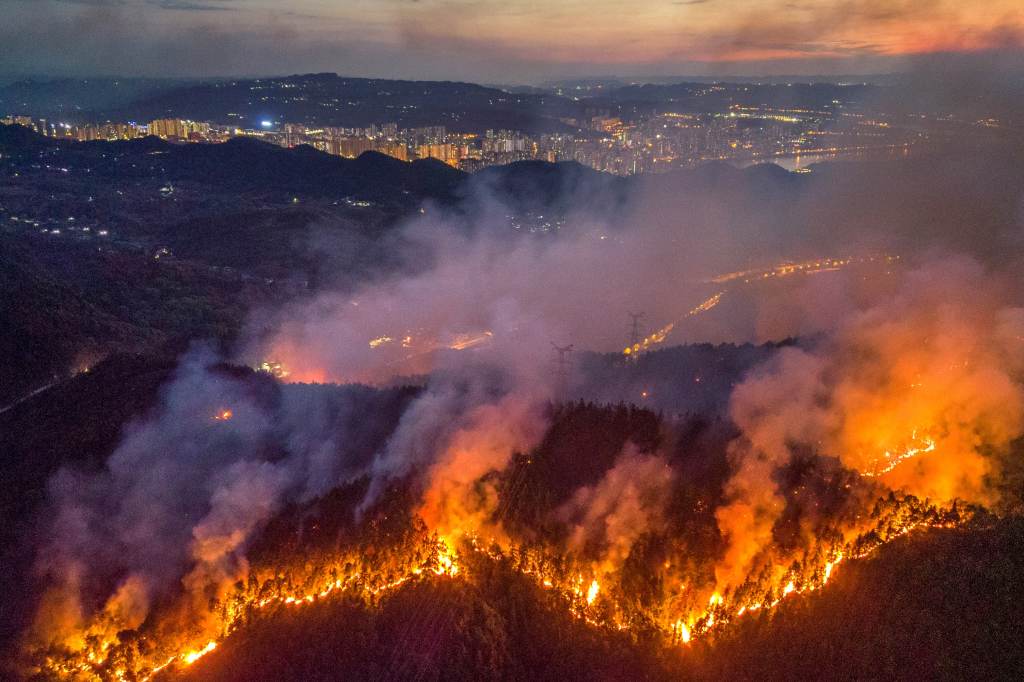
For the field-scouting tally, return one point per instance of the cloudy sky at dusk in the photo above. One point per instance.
(493, 40)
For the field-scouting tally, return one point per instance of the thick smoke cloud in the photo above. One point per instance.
(458, 496)
(181, 496)
(475, 283)
(922, 391)
(895, 354)
(630, 501)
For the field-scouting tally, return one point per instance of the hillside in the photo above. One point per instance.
(335, 586)
(942, 606)
(129, 246)
(237, 166)
(945, 605)
(939, 603)
(79, 422)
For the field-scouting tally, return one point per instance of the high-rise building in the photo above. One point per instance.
(177, 128)
(352, 147)
(449, 153)
(395, 149)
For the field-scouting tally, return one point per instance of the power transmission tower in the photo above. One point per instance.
(635, 337)
(563, 364)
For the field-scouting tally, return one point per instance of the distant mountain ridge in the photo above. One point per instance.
(329, 99)
(245, 165)
(250, 165)
(71, 98)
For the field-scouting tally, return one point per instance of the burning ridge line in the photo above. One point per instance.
(581, 589)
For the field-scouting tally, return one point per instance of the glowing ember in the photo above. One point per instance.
(828, 568)
(466, 341)
(274, 368)
(193, 656)
(890, 460)
(681, 632)
(445, 560)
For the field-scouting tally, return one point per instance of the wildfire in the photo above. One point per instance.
(193, 656)
(437, 558)
(592, 587)
(445, 560)
(273, 368)
(681, 632)
(720, 609)
(223, 415)
(828, 568)
(466, 341)
(458, 342)
(100, 654)
(890, 459)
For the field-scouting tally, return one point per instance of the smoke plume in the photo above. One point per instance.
(608, 518)
(921, 392)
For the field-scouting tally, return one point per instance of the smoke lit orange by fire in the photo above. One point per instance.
(910, 396)
(684, 614)
(412, 351)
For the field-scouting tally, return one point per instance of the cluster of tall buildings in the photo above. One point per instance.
(167, 128)
(607, 143)
(176, 128)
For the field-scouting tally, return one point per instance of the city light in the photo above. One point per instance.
(740, 132)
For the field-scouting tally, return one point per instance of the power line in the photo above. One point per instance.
(563, 365)
(635, 336)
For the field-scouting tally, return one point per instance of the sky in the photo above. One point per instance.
(498, 41)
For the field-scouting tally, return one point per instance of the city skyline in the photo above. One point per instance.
(512, 42)
(605, 129)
